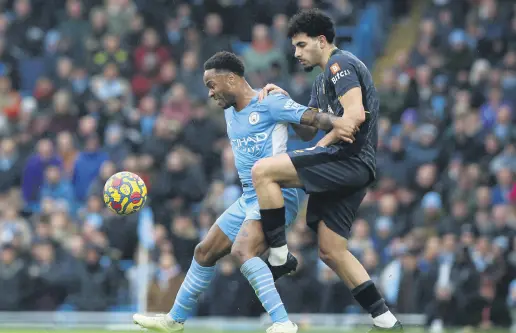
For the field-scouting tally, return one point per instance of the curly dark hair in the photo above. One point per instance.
(312, 22)
(225, 61)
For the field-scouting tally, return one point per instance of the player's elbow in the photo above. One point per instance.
(358, 113)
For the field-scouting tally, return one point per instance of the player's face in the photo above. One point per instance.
(220, 88)
(307, 50)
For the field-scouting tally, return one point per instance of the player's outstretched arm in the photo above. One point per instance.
(345, 130)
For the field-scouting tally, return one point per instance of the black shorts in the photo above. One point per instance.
(336, 186)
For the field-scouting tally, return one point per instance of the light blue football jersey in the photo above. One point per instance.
(260, 130)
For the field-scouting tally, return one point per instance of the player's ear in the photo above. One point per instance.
(231, 79)
(322, 41)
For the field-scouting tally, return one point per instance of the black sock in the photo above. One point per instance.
(370, 299)
(273, 223)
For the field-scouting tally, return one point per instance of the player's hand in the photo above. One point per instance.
(328, 139)
(345, 129)
(270, 88)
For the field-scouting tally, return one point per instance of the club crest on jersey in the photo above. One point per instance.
(254, 118)
(335, 68)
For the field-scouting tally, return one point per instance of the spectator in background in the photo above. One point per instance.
(111, 52)
(96, 288)
(177, 104)
(25, 33)
(10, 100)
(8, 64)
(214, 41)
(33, 173)
(261, 55)
(67, 152)
(191, 75)
(98, 23)
(14, 279)
(150, 51)
(87, 167)
(165, 285)
(47, 279)
(74, 29)
(11, 164)
(116, 147)
(109, 84)
(57, 189)
(120, 14)
(203, 136)
(168, 76)
(65, 115)
(228, 290)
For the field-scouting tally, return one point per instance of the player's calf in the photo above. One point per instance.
(333, 252)
(248, 245)
(251, 243)
(215, 246)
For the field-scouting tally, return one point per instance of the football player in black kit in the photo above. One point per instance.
(337, 171)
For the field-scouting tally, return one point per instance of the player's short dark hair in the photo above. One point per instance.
(313, 23)
(225, 61)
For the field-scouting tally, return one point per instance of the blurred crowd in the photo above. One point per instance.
(92, 87)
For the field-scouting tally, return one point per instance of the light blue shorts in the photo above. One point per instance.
(247, 208)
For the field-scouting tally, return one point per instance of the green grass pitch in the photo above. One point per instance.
(186, 331)
(407, 330)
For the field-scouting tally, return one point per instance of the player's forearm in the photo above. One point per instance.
(320, 120)
(306, 133)
(328, 139)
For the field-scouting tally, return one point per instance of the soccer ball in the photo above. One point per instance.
(125, 193)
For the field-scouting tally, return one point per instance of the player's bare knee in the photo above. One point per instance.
(242, 252)
(330, 255)
(259, 171)
(205, 255)
(239, 253)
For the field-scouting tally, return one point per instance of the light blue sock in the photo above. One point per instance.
(260, 278)
(196, 282)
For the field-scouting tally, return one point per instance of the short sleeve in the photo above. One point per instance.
(343, 74)
(313, 98)
(285, 109)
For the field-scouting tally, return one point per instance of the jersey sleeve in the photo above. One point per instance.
(283, 109)
(343, 74)
(313, 98)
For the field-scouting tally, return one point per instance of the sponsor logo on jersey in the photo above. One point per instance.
(254, 118)
(335, 68)
(337, 76)
(250, 144)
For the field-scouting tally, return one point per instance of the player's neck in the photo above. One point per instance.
(327, 55)
(245, 97)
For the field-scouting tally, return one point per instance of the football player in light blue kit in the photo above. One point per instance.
(256, 130)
